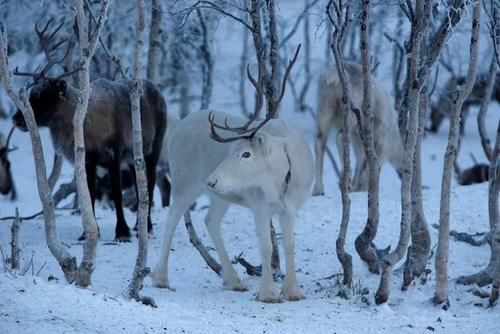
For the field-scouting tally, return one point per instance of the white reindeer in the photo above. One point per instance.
(268, 169)
(388, 143)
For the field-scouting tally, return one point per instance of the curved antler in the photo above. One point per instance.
(244, 132)
(48, 49)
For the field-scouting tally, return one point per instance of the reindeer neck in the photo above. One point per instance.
(61, 125)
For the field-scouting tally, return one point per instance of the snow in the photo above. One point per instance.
(41, 301)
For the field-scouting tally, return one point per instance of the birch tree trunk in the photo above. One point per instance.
(420, 247)
(485, 140)
(87, 49)
(155, 38)
(58, 250)
(140, 269)
(207, 62)
(441, 261)
(494, 189)
(421, 19)
(364, 240)
(339, 24)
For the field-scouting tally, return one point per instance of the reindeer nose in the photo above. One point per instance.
(212, 183)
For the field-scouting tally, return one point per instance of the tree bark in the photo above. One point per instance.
(493, 191)
(155, 38)
(364, 240)
(207, 67)
(418, 252)
(14, 242)
(140, 269)
(65, 260)
(485, 140)
(87, 49)
(344, 257)
(441, 262)
(422, 14)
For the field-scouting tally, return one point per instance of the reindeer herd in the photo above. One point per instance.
(265, 164)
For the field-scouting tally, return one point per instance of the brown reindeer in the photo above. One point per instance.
(107, 128)
(6, 181)
(441, 108)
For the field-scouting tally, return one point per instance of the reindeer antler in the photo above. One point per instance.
(244, 132)
(48, 49)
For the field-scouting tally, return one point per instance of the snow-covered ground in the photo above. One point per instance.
(41, 301)
(34, 303)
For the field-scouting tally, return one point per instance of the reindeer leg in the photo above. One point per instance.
(151, 162)
(180, 204)
(90, 169)
(213, 220)
(164, 186)
(323, 133)
(122, 232)
(267, 292)
(290, 289)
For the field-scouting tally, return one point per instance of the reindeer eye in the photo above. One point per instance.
(246, 155)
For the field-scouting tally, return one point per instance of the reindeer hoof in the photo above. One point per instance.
(292, 295)
(270, 297)
(318, 193)
(160, 282)
(236, 287)
(122, 238)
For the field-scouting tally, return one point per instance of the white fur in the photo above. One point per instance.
(258, 182)
(388, 143)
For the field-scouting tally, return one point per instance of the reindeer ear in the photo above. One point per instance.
(262, 141)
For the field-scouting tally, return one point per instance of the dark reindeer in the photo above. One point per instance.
(442, 107)
(107, 128)
(6, 181)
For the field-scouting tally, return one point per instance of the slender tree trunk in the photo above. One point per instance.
(155, 38)
(364, 240)
(243, 73)
(441, 262)
(422, 13)
(58, 250)
(136, 90)
(344, 257)
(207, 64)
(494, 189)
(418, 252)
(15, 251)
(87, 49)
(485, 140)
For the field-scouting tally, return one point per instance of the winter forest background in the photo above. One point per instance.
(442, 270)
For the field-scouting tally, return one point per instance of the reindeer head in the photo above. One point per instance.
(44, 97)
(256, 161)
(6, 183)
(259, 165)
(45, 92)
